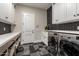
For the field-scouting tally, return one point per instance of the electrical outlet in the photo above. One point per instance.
(77, 27)
(4, 29)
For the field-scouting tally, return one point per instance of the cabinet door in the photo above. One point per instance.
(59, 12)
(77, 9)
(7, 12)
(3, 10)
(71, 11)
(11, 13)
(55, 13)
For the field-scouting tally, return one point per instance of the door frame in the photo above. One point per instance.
(22, 24)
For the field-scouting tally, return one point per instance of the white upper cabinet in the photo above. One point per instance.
(7, 12)
(3, 10)
(11, 13)
(55, 14)
(59, 12)
(65, 12)
(77, 9)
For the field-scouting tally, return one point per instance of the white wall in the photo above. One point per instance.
(40, 19)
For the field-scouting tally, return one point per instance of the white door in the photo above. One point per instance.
(28, 28)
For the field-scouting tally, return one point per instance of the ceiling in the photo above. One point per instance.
(37, 5)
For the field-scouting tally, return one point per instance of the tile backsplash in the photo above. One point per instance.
(4, 28)
(65, 26)
(49, 15)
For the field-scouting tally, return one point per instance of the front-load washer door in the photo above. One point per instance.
(69, 48)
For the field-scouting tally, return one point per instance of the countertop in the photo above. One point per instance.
(64, 31)
(6, 37)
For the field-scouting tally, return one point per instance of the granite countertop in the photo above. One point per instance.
(6, 37)
(64, 31)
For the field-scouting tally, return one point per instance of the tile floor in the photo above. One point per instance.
(33, 49)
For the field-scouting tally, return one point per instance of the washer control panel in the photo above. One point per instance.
(70, 37)
(77, 37)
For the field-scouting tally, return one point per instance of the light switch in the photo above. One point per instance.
(4, 28)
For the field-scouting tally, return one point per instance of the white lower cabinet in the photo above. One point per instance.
(9, 47)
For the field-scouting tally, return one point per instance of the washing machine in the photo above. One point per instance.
(69, 45)
(53, 43)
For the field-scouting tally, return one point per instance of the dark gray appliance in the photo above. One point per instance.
(53, 43)
(69, 45)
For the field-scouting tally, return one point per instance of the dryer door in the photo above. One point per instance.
(52, 45)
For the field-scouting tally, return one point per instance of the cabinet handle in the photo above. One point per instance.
(74, 15)
(6, 17)
(56, 20)
(77, 14)
(13, 40)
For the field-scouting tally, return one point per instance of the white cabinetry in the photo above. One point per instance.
(71, 11)
(77, 9)
(3, 11)
(55, 13)
(7, 12)
(65, 12)
(59, 12)
(11, 13)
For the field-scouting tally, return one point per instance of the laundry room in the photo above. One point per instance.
(39, 29)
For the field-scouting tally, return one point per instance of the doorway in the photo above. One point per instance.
(28, 28)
